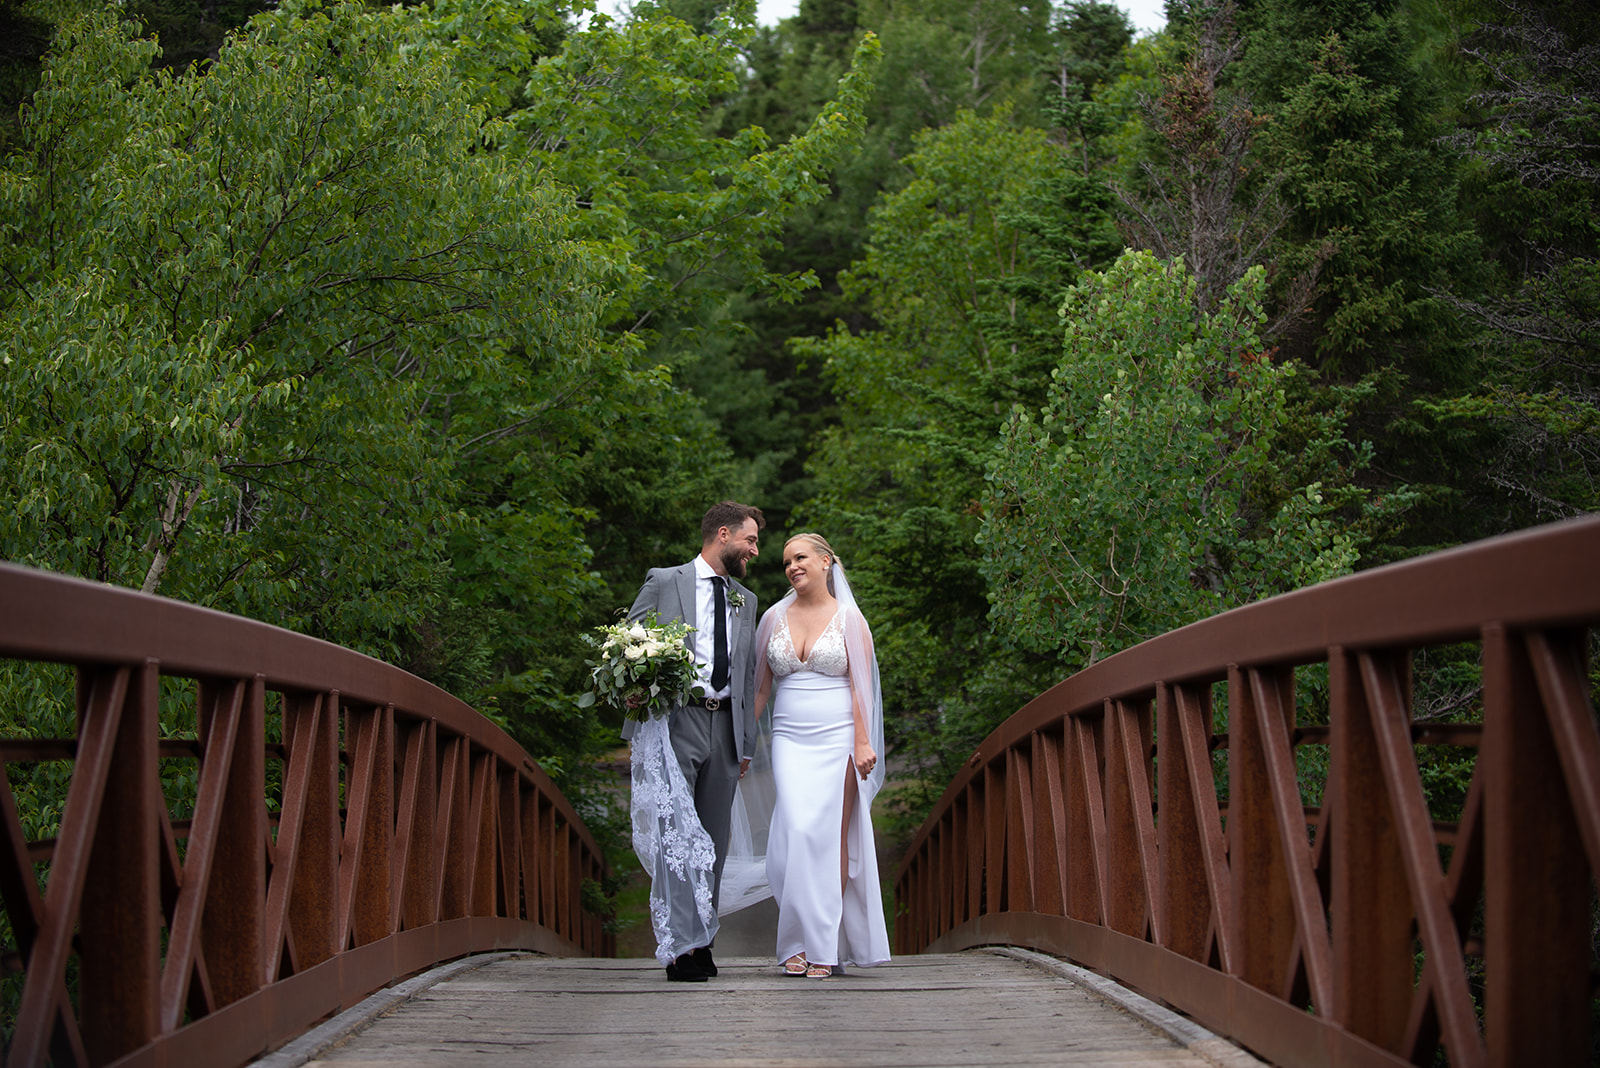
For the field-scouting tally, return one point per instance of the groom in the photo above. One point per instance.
(713, 735)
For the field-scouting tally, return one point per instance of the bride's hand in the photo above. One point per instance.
(866, 759)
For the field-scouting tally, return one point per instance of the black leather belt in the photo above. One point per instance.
(710, 704)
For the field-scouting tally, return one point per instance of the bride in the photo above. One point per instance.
(815, 657)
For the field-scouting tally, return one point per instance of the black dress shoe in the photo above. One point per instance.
(703, 961)
(684, 970)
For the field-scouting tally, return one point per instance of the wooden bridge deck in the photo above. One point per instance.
(973, 1008)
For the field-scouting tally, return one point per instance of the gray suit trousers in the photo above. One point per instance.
(703, 742)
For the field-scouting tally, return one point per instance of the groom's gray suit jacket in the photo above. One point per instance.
(670, 593)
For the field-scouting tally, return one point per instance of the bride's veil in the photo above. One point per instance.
(744, 874)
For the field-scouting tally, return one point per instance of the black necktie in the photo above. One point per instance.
(719, 637)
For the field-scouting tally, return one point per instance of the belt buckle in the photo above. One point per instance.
(713, 703)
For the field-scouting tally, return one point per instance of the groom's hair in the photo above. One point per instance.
(730, 514)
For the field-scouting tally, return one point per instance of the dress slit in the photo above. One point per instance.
(847, 813)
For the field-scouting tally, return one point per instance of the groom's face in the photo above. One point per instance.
(740, 548)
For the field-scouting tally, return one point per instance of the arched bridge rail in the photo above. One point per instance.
(1112, 820)
(341, 824)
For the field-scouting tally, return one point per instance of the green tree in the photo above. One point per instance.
(323, 335)
(363, 329)
(1203, 193)
(233, 302)
(1355, 134)
(939, 59)
(961, 276)
(623, 115)
(955, 300)
(619, 116)
(24, 39)
(1532, 131)
(1148, 490)
(1086, 46)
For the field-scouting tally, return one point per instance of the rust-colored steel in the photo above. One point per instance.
(1094, 823)
(408, 830)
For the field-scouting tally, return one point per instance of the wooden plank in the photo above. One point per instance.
(1538, 885)
(935, 1010)
(1370, 904)
(1086, 825)
(1050, 878)
(234, 923)
(1272, 693)
(313, 893)
(1263, 936)
(1385, 690)
(1183, 901)
(1019, 817)
(1130, 820)
(116, 881)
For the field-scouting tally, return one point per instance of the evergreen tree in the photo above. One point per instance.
(938, 59)
(24, 36)
(1355, 133)
(1203, 194)
(1532, 130)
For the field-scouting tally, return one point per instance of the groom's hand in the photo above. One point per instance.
(744, 766)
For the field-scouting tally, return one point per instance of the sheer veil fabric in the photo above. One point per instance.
(671, 844)
(744, 873)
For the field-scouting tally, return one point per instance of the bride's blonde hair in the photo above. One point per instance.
(822, 544)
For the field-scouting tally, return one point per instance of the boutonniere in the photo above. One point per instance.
(736, 599)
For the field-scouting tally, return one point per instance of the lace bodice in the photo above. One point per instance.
(828, 656)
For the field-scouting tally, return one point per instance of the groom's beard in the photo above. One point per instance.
(733, 561)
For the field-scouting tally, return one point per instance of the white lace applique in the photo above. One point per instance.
(828, 655)
(671, 844)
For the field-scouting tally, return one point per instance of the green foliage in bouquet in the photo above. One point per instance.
(643, 669)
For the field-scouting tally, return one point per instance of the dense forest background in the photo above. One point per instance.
(426, 329)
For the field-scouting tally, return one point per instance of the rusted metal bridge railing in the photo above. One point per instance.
(344, 824)
(1109, 820)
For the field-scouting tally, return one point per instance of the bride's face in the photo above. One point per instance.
(804, 564)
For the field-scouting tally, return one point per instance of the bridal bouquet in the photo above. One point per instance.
(642, 668)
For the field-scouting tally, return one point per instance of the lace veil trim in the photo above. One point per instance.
(671, 845)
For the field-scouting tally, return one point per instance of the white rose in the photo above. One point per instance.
(633, 652)
(638, 633)
(652, 648)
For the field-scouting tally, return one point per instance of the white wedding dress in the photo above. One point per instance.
(813, 739)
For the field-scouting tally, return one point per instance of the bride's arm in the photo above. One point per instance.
(763, 668)
(864, 755)
(763, 689)
(865, 758)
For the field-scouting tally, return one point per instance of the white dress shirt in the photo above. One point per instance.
(704, 634)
